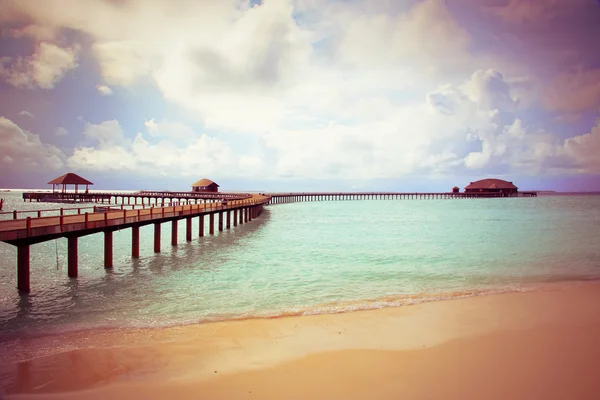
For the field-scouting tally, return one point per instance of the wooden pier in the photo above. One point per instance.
(278, 198)
(24, 232)
(142, 197)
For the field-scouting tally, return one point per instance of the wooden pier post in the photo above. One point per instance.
(174, 232)
(235, 217)
(23, 268)
(221, 221)
(211, 224)
(72, 245)
(188, 229)
(108, 249)
(157, 237)
(228, 221)
(135, 242)
(241, 216)
(201, 227)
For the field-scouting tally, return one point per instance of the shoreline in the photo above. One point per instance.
(78, 334)
(184, 359)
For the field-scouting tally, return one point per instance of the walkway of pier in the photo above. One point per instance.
(278, 198)
(25, 232)
(161, 198)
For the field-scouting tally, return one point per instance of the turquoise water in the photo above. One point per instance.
(303, 258)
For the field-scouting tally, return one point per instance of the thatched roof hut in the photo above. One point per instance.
(492, 185)
(69, 179)
(205, 185)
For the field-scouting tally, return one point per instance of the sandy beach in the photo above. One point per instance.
(539, 344)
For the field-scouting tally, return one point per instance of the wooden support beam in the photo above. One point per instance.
(157, 237)
(211, 224)
(188, 229)
(73, 256)
(174, 232)
(135, 242)
(201, 225)
(108, 249)
(23, 268)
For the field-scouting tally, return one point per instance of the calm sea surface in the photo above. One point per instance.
(303, 258)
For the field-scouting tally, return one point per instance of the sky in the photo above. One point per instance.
(301, 95)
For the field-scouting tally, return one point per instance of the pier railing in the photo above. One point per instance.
(15, 229)
(277, 198)
(101, 196)
(79, 210)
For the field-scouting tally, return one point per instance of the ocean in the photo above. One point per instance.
(301, 258)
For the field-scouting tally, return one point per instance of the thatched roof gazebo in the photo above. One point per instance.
(69, 179)
(492, 185)
(205, 185)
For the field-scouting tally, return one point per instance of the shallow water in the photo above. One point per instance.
(305, 258)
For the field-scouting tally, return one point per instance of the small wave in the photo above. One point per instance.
(46, 343)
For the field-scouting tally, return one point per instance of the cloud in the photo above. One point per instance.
(584, 149)
(25, 151)
(45, 68)
(251, 69)
(104, 90)
(111, 150)
(505, 144)
(25, 113)
(173, 130)
(123, 62)
(490, 90)
(107, 134)
(60, 131)
(425, 38)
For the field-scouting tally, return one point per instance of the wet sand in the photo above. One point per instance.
(535, 345)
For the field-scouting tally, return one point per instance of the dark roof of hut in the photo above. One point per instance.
(70, 179)
(491, 184)
(204, 182)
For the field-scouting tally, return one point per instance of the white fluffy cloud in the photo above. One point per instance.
(110, 150)
(426, 37)
(44, 68)
(26, 113)
(173, 130)
(455, 128)
(25, 151)
(585, 150)
(104, 90)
